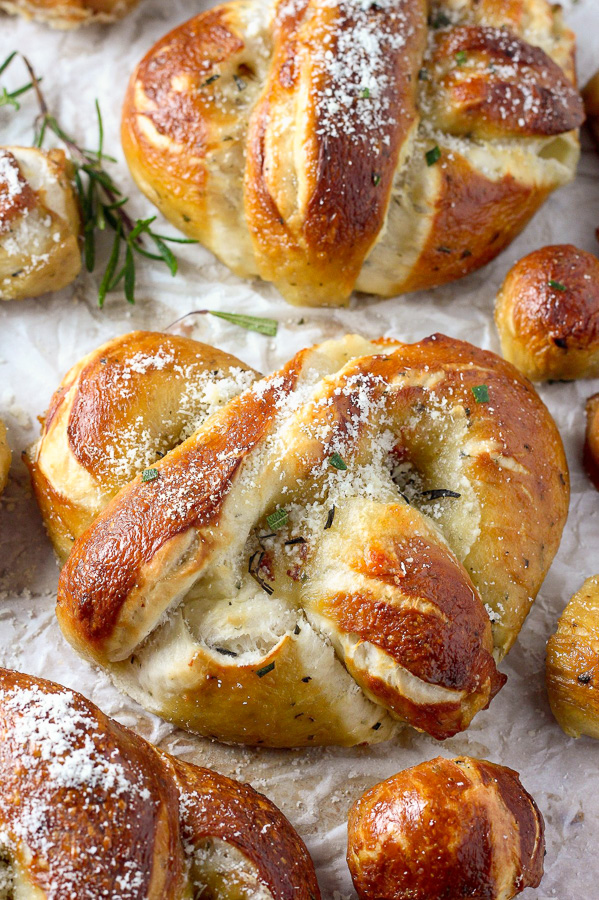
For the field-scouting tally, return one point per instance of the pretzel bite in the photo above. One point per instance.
(382, 147)
(446, 830)
(547, 314)
(89, 810)
(5, 457)
(590, 95)
(591, 443)
(69, 13)
(310, 557)
(39, 223)
(572, 669)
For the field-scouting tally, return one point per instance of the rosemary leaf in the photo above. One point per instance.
(111, 266)
(252, 323)
(129, 275)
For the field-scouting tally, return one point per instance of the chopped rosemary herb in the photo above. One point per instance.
(439, 20)
(306, 679)
(585, 678)
(241, 85)
(225, 651)
(557, 285)
(461, 57)
(437, 493)
(254, 572)
(278, 519)
(337, 462)
(210, 80)
(365, 93)
(481, 393)
(264, 671)
(102, 205)
(330, 518)
(433, 156)
(250, 323)
(297, 540)
(376, 726)
(297, 629)
(149, 475)
(423, 75)
(376, 179)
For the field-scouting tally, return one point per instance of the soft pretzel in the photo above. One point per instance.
(341, 145)
(69, 13)
(448, 829)
(572, 668)
(5, 457)
(591, 443)
(547, 314)
(90, 810)
(314, 562)
(39, 223)
(591, 102)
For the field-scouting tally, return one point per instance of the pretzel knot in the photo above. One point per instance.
(90, 810)
(381, 145)
(313, 563)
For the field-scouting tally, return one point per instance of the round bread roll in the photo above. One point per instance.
(572, 668)
(5, 457)
(69, 13)
(547, 314)
(446, 830)
(384, 147)
(306, 558)
(39, 223)
(591, 444)
(90, 810)
(591, 102)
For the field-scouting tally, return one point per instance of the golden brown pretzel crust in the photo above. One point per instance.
(572, 668)
(591, 443)
(591, 101)
(547, 314)
(361, 607)
(5, 457)
(100, 809)
(69, 13)
(297, 146)
(446, 830)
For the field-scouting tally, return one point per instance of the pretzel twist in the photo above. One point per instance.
(314, 561)
(327, 146)
(90, 810)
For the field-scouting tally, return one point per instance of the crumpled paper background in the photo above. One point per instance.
(40, 339)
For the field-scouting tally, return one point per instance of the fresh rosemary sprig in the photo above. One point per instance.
(9, 98)
(260, 324)
(103, 207)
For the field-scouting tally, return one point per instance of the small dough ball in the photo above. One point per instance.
(590, 95)
(39, 223)
(572, 668)
(5, 457)
(446, 830)
(547, 314)
(69, 13)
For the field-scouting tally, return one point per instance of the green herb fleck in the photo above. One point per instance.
(337, 462)
(557, 285)
(278, 519)
(433, 156)
(440, 20)
(241, 85)
(210, 80)
(264, 671)
(365, 93)
(149, 475)
(461, 57)
(330, 518)
(376, 179)
(251, 323)
(423, 75)
(481, 393)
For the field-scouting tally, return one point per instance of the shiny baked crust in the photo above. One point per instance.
(446, 830)
(298, 140)
(363, 609)
(591, 443)
(5, 457)
(572, 666)
(66, 14)
(547, 314)
(591, 102)
(39, 223)
(90, 809)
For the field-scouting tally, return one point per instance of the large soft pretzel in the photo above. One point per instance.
(91, 811)
(328, 145)
(314, 561)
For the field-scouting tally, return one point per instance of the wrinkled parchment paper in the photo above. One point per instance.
(40, 339)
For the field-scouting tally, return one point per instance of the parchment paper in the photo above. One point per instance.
(40, 339)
